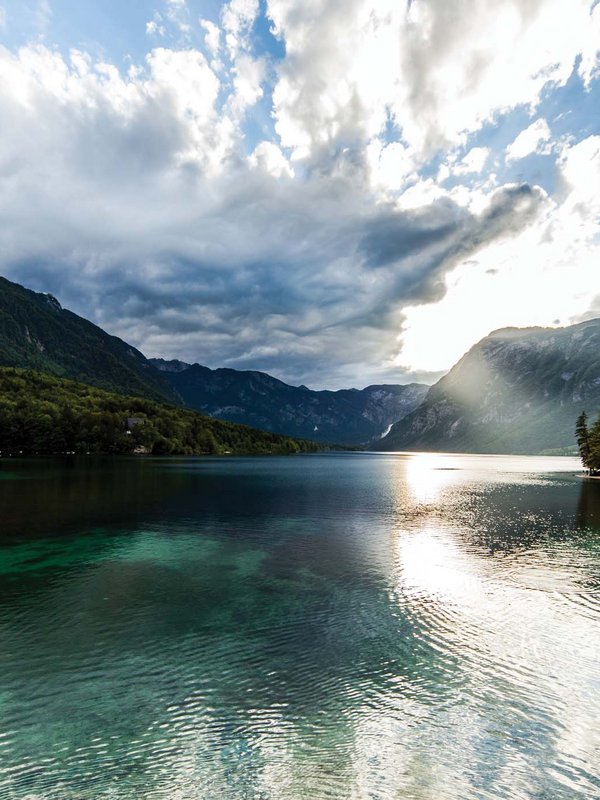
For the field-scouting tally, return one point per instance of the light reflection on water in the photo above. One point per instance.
(415, 626)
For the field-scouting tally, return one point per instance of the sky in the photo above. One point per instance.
(337, 192)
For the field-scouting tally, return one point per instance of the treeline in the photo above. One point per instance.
(588, 441)
(43, 415)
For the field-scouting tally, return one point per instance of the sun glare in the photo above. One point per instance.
(428, 474)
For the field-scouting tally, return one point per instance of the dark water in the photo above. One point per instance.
(347, 626)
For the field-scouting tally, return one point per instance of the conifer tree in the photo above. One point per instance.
(583, 438)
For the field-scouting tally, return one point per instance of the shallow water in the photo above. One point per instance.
(412, 627)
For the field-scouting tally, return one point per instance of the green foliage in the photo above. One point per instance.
(588, 441)
(43, 414)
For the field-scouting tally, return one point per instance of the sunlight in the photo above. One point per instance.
(431, 564)
(428, 474)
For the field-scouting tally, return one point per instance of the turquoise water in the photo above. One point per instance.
(402, 627)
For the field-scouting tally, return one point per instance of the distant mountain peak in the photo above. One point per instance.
(173, 365)
(345, 416)
(518, 390)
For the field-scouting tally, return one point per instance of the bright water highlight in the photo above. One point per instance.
(352, 626)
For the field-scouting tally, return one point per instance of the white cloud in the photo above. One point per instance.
(589, 67)
(177, 13)
(131, 197)
(237, 19)
(212, 37)
(43, 17)
(580, 166)
(390, 165)
(529, 140)
(248, 75)
(473, 161)
(441, 71)
(268, 156)
(421, 194)
(154, 27)
(148, 198)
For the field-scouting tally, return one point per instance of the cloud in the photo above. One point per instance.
(269, 158)
(473, 161)
(237, 18)
(154, 26)
(176, 13)
(135, 203)
(545, 271)
(212, 38)
(439, 72)
(529, 140)
(248, 75)
(161, 203)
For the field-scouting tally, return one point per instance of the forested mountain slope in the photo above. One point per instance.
(42, 414)
(36, 332)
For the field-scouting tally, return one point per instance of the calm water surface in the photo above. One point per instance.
(353, 626)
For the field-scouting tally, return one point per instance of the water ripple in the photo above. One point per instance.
(342, 627)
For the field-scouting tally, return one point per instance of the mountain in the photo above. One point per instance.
(518, 390)
(347, 416)
(41, 414)
(36, 332)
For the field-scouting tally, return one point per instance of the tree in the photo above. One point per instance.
(582, 435)
(594, 455)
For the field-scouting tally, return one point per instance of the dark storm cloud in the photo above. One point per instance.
(422, 247)
(396, 236)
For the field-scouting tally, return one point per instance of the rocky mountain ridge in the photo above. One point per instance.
(518, 390)
(347, 416)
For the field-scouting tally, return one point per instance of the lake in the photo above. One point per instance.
(344, 626)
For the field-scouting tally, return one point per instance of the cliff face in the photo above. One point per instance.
(348, 416)
(516, 391)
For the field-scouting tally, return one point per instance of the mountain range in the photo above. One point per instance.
(348, 416)
(518, 390)
(36, 332)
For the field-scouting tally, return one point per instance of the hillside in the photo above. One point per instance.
(42, 414)
(347, 416)
(515, 391)
(36, 332)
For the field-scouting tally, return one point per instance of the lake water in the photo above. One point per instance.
(350, 626)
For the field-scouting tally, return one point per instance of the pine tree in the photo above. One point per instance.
(583, 439)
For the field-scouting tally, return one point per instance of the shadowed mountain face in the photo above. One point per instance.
(348, 416)
(37, 333)
(516, 391)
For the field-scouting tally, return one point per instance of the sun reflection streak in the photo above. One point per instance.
(430, 563)
(466, 603)
(428, 474)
